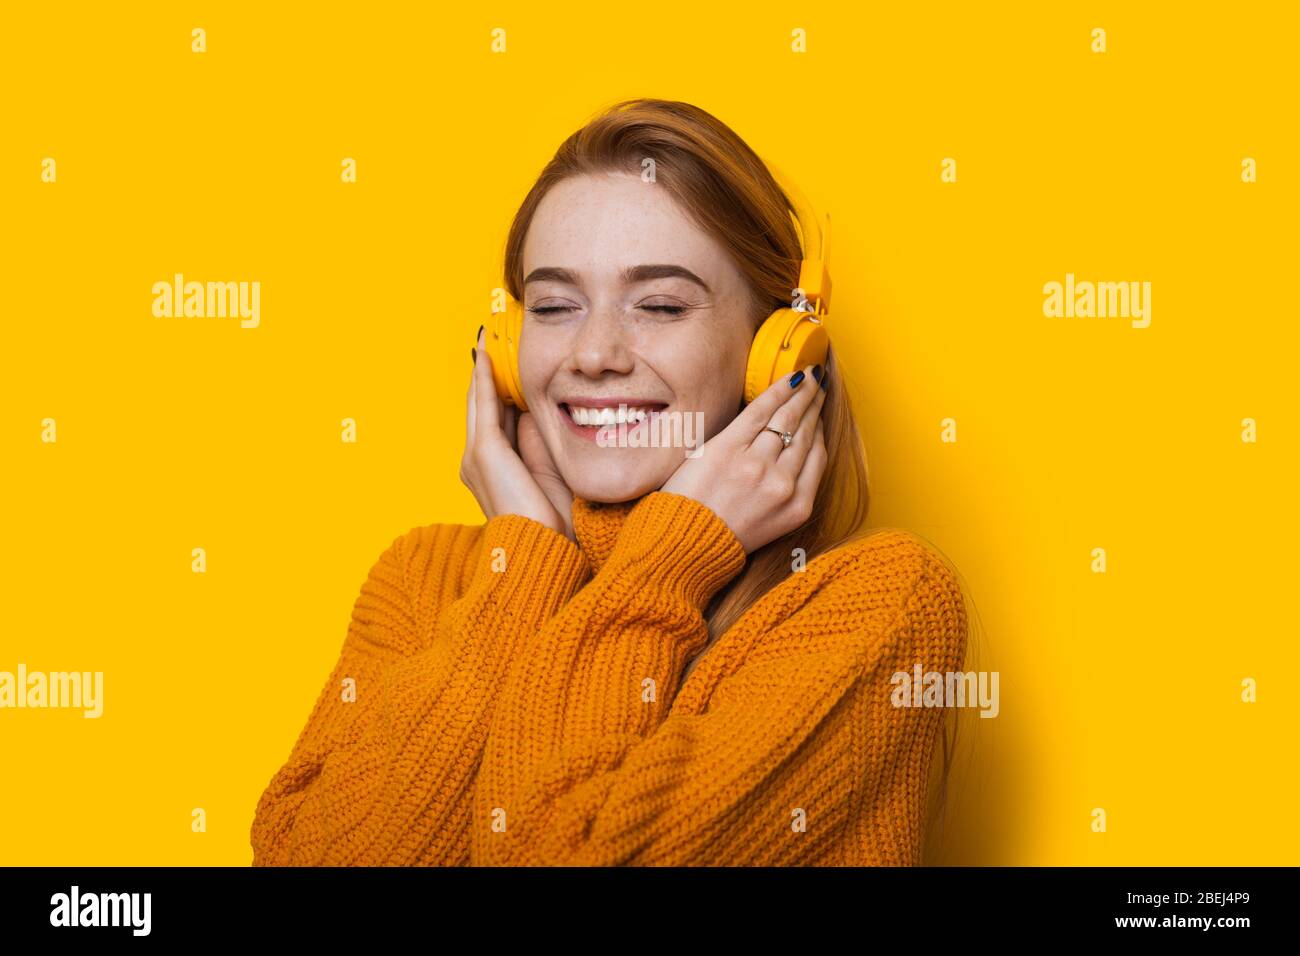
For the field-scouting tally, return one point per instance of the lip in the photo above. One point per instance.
(614, 402)
(589, 432)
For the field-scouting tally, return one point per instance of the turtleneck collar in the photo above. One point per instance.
(596, 526)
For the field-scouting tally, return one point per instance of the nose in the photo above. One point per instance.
(602, 343)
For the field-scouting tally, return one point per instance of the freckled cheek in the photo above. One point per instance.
(713, 385)
(538, 364)
(695, 356)
(730, 355)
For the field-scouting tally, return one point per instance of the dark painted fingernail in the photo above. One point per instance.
(478, 333)
(817, 372)
(826, 378)
(473, 355)
(796, 378)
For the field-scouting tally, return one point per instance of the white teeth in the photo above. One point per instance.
(623, 414)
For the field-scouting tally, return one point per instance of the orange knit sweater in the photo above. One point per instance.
(518, 700)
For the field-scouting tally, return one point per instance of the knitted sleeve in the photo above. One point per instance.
(381, 773)
(585, 766)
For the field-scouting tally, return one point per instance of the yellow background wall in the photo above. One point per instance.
(1119, 690)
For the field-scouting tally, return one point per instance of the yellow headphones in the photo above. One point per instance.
(788, 339)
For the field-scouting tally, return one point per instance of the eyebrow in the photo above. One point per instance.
(630, 274)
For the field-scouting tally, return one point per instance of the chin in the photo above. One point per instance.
(611, 486)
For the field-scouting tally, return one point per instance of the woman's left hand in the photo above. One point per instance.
(758, 488)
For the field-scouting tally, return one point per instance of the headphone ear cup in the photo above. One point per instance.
(502, 343)
(768, 361)
(762, 354)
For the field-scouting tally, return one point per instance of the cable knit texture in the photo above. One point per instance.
(505, 696)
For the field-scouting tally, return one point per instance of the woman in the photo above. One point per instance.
(643, 656)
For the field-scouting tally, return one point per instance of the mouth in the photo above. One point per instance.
(586, 418)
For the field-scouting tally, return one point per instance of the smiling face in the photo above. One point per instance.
(614, 314)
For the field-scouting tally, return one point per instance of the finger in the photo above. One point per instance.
(510, 424)
(470, 402)
(786, 416)
(488, 405)
(791, 460)
(814, 467)
(746, 426)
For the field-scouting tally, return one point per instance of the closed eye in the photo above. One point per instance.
(662, 309)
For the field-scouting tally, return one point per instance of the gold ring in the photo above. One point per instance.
(786, 437)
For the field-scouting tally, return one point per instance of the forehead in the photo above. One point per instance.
(600, 223)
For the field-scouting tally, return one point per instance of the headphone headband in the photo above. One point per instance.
(814, 240)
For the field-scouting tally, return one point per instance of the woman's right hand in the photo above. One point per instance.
(491, 467)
